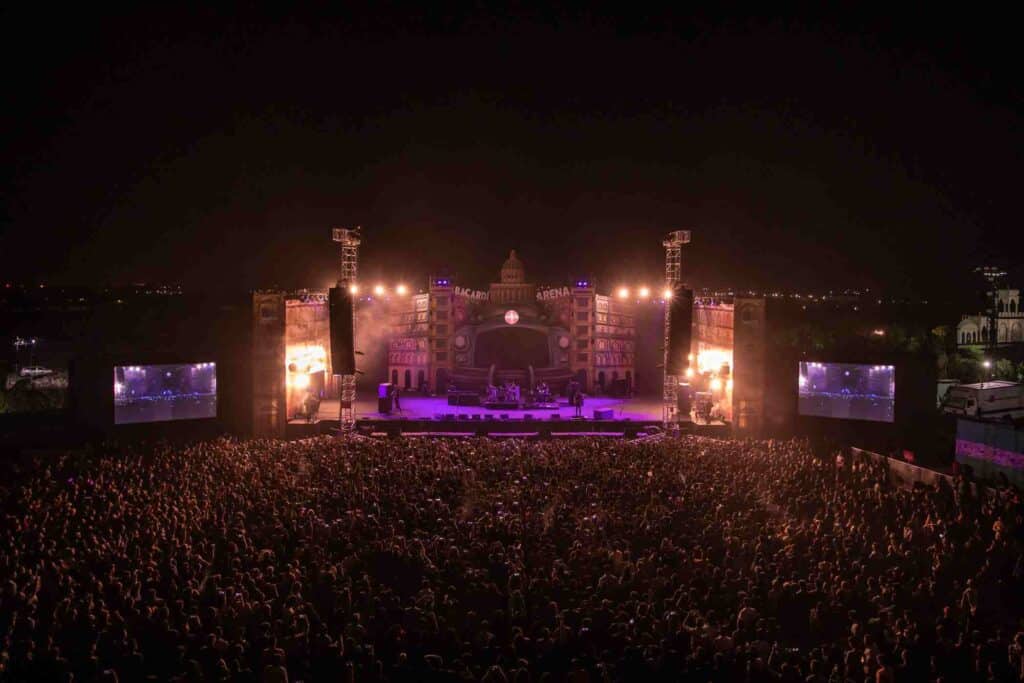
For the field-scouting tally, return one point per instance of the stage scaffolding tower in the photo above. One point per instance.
(349, 239)
(673, 244)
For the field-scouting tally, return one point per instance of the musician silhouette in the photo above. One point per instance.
(577, 401)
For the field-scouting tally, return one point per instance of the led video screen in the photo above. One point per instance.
(160, 393)
(848, 391)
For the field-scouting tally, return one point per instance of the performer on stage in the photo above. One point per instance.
(311, 405)
(578, 403)
(571, 391)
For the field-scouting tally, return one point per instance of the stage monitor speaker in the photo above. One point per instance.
(343, 355)
(680, 313)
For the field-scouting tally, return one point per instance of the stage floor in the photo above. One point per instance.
(640, 409)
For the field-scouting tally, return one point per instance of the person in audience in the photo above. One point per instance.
(354, 559)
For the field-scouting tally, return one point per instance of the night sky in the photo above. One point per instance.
(218, 148)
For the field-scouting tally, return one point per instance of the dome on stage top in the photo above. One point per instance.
(513, 272)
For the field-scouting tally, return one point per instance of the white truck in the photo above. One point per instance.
(995, 400)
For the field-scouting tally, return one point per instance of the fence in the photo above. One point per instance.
(991, 449)
(904, 472)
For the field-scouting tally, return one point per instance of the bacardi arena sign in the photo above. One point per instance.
(553, 293)
(472, 293)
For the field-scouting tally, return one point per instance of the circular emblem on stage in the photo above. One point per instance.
(511, 317)
(563, 342)
(460, 341)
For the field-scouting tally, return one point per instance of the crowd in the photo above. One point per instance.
(503, 561)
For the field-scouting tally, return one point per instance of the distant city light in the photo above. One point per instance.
(667, 294)
(878, 332)
(401, 290)
(623, 292)
(987, 364)
(353, 288)
(379, 290)
(644, 292)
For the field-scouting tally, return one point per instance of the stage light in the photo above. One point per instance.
(301, 381)
(689, 357)
(728, 384)
(712, 360)
(623, 292)
(644, 292)
(379, 290)
(667, 294)
(306, 358)
(401, 290)
(689, 372)
(353, 289)
(716, 384)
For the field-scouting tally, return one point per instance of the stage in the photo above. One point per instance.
(432, 415)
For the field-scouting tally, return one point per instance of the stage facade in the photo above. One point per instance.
(458, 337)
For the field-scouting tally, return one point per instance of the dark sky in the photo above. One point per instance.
(218, 148)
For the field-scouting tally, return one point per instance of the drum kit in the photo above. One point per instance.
(511, 392)
(506, 393)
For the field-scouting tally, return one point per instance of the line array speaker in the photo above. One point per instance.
(680, 312)
(343, 355)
